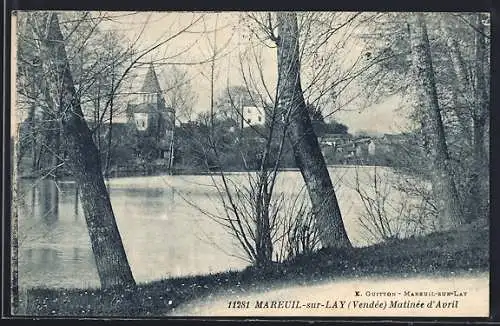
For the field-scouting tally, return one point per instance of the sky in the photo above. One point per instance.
(389, 116)
(194, 46)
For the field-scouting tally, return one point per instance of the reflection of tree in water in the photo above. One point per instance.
(169, 196)
(76, 254)
(33, 200)
(39, 210)
(41, 217)
(157, 197)
(76, 202)
(49, 257)
(44, 258)
(49, 201)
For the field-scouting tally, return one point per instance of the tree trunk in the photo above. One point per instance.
(34, 126)
(476, 98)
(263, 241)
(479, 188)
(462, 90)
(97, 120)
(110, 257)
(15, 229)
(110, 133)
(76, 203)
(443, 184)
(305, 144)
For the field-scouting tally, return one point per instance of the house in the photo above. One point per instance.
(389, 142)
(345, 148)
(335, 142)
(335, 139)
(253, 115)
(362, 146)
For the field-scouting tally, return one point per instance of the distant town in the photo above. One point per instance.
(151, 141)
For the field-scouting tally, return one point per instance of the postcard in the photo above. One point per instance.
(292, 164)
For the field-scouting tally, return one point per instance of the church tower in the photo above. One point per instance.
(150, 114)
(151, 92)
(152, 120)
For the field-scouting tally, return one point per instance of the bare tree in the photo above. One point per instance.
(480, 118)
(394, 206)
(255, 227)
(453, 44)
(14, 226)
(471, 102)
(444, 185)
(111, 260)
(179, 92)
(304, 142)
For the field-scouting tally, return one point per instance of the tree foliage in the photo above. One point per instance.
(458, 43)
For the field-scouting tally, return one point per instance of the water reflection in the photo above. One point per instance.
(75, 209)
(160, 219)
(33, 199)
(45, 266)
(49, 201)
(159, 230)
(53, 239)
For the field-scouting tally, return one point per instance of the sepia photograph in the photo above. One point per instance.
(250, 164)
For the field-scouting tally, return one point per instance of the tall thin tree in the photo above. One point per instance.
(83, 159)
(444, 186)
(305, 144)
(480, 116)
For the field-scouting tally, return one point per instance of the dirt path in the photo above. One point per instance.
(464, 295)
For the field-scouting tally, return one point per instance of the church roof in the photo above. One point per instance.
(151, 84)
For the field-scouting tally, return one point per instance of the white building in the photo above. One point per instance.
(253, 115)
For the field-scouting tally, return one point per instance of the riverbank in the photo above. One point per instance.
(182, 172)
(464, 249)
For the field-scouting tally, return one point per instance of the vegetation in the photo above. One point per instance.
(432, 60)
(445, 253)
(83, 160)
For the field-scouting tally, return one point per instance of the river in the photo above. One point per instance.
(162, 223)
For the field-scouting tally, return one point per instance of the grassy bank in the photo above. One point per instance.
(464, 249)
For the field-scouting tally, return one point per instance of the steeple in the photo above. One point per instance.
(151, 90)
(151, 84)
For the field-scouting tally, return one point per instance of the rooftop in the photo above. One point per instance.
(151, 83)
